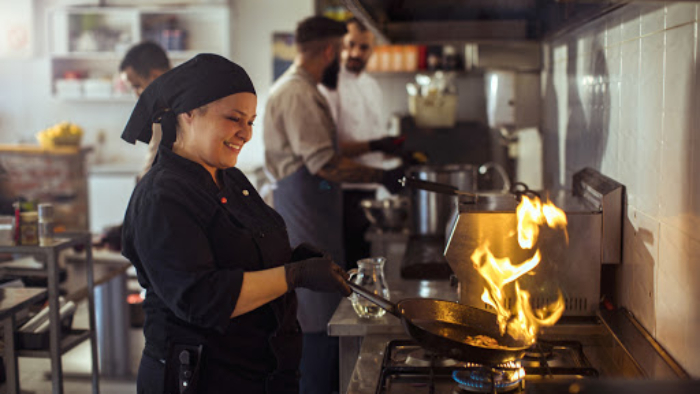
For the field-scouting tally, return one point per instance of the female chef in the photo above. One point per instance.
(214, 259)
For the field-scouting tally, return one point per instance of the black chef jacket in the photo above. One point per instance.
(191, 243)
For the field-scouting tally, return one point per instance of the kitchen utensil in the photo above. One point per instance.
(387, 214)
(370, 275)
(430, 212)
(442, 326)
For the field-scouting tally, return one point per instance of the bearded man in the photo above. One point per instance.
(302, 158)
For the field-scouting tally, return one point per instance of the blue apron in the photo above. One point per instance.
(312, 208)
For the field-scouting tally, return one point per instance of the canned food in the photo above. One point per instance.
(46, 212)
(29, 228)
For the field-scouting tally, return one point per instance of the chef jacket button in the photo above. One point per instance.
(245, 192)
(224, 200)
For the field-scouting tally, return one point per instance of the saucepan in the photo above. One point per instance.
(443, 327)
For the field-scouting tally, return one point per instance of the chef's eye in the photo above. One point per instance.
(233, 119)
(250, 123)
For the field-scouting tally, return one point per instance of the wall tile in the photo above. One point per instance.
(650, 115)
(679, 72)
(653, 19)
(613, 29)
(629, 91)
(676, 177)
(677, 313)
(640, 252)
(695, 166)
(631, 22)
(680, 13)
(610, 160)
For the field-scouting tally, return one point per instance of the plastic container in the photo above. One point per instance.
(69, 88)
(97, 88)
(433, 111)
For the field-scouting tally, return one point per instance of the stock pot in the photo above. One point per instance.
(431, 211)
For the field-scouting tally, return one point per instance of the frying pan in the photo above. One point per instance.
(441, 326)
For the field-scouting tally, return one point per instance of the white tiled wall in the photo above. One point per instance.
(621, 95)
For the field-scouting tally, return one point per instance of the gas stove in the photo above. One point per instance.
(408, 368)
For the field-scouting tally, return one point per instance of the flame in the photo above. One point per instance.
(520, 320)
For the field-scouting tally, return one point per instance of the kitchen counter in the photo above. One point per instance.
(352, 329)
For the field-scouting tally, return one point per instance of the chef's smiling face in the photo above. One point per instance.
(357, 48)
(214, 135)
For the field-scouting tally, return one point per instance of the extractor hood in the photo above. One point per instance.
(439, 21)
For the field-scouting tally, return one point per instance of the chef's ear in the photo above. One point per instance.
(187, 117)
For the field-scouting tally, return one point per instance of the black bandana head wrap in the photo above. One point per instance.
(197, 82)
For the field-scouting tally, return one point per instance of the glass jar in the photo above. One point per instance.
(45, 224)
(370, 275)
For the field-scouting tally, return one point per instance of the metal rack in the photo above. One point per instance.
(57, 345)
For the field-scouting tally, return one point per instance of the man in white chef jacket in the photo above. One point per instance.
(357, 109)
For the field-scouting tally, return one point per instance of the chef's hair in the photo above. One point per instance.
(145, 57)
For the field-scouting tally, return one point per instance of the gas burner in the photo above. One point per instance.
(477, 378)
(540, 351)
(425, 358)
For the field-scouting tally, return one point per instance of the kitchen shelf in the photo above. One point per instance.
(91, 41)
(68, 342)
(58, 343)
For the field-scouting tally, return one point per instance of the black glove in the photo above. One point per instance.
(306, 251)
(317, 274)
(391, 180)
(389, 145)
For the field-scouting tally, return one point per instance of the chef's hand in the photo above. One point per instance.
(317, 274)
(388, 145)
(306, 251)
(391, 179)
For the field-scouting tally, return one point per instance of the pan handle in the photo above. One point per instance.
(433, 187)
(381, 301)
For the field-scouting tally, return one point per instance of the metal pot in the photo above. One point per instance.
(431, 211)
(387, 214)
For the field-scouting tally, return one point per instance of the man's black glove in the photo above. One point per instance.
(317, 274)
(391, 179)
(388, 145)
(306, 251)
